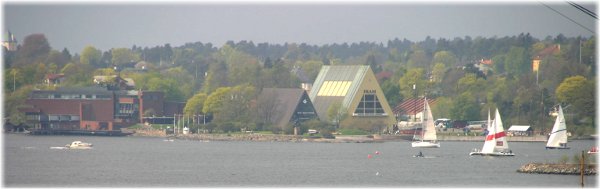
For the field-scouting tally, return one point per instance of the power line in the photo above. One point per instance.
(567, 18)
(581, 8)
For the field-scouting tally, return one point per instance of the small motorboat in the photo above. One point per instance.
(79, 145)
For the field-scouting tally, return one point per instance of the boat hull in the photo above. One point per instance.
(491, 154)
(425, 144)
(552, 147)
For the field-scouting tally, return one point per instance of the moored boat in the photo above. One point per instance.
(428, 137)
(495, 142)
(558, 136)
(79, 145)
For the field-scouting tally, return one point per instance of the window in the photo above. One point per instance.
(334, 88)
(53, 117)
(369, 105)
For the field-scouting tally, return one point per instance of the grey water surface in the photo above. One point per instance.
(153, 162)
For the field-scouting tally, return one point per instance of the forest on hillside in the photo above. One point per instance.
(200, 74)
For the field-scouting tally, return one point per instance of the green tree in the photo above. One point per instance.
(90, 55)
(13, 79)
(214, 101)
(517, 61)
(438, 72)
(13, 102)
(311, 68)
(167, 85)
(413, 77)
(465, 108)
(336, 113)
(195, 104)
(418, 59)
(580, 93)
(446, 58)
(35, 48)
(123, 55)
(216, 77)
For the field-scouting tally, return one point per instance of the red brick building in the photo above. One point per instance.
(94, 108)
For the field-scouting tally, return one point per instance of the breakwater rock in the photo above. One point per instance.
(256, 137)
(561, 169)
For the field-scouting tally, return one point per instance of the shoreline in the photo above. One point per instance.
(338, 138)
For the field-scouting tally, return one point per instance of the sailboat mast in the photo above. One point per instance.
(424, 120)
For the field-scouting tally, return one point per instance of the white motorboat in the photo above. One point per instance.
(495, 142)
(428, 138)
(79, 145)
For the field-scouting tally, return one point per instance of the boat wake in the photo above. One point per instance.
(59, 148)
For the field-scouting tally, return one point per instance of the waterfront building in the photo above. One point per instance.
(285, 106)
(94, 108)
(356, 91)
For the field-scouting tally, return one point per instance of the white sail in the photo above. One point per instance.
(501, 143)
(429, 132)
(490, 141)
(558, 136)
(495, 141)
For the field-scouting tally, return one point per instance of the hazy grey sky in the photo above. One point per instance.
(114, 25)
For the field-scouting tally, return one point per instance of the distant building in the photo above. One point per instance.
(357, 91)
(283, 106)
(93, 108)
(537, 58)
(411, 109)
(9, 41)
(485, 65)
(114, 82)
(54, 79)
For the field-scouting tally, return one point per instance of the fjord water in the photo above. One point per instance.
(153, 162)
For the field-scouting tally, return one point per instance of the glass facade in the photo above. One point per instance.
(334, 88)
(369, 105)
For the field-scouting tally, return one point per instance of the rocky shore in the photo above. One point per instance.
(254, 137)
(561, 169)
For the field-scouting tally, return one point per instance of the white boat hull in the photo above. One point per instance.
(425, 144)
(80, 147)
(491, 154)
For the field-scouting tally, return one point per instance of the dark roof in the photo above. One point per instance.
(79, 90)
(412, 106)
(383, 75)
(548, 51)
(286, 100)
(54, 76)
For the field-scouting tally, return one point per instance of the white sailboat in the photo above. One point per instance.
(495, 141)
(558, 136)
(428, 138)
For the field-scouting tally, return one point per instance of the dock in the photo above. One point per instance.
(80, 132)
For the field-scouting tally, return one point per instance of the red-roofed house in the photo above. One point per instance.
(54, 79)
(484, 65)
(552, 50)
(411, 108)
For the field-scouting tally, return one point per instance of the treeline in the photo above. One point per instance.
(203, 74)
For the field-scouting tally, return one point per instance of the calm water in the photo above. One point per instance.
(143, 162)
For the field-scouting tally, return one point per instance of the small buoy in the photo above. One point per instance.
(376, 152)
(369, 156)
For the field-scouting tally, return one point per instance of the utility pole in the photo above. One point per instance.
(582, 167)
(579, 51)
(14, 80)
